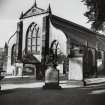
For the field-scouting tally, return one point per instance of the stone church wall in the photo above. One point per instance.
(39, 21)
(10, 68)
(56, 34)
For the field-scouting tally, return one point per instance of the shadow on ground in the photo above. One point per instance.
(65, 96)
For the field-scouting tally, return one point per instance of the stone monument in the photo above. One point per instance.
(51, 78)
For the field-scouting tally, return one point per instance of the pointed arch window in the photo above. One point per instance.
(55, 47)
(33, 39)
(13, 54)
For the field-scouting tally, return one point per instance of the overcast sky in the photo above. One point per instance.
(10, 11)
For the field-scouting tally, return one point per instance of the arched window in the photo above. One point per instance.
(13, 54)
(33, 39)
(55, 47)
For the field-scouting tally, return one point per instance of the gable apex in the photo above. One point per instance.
(33, 11)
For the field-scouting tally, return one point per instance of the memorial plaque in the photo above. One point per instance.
(75, 68)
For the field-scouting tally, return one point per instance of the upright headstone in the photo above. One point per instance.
(51, 78)
(19, 68)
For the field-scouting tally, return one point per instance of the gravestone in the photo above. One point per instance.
(51, 78)
(19, 68)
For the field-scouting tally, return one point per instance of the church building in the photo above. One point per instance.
(79, 52)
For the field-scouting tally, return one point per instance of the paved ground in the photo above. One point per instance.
(33, 94)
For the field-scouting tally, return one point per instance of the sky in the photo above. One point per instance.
(10, 11)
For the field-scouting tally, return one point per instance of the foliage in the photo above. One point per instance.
(95, 13)
(52, 58)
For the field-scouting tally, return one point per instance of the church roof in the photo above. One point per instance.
(33, 11)
(79, 34)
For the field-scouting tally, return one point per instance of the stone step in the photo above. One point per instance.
(63, 80)
(17, 80)
(72, 82)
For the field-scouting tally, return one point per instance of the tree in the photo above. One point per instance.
(95, 13)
